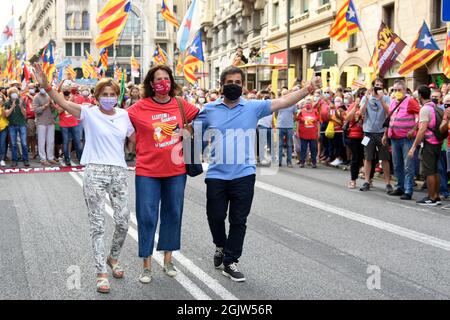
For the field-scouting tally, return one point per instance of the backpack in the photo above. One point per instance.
(439, 114)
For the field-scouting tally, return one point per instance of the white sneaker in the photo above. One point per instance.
(170, 270)
(146, 276)
(2, 163)
(334, 163)
(338, 162)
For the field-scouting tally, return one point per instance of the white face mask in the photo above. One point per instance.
(346, 101)
(42, 91)
(201, 100)
(32, 91)
(14, 96)
(85, 93)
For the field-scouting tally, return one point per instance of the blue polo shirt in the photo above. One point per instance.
(233, 136)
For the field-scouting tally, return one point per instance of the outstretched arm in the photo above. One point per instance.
(72, 108)
(294, 97)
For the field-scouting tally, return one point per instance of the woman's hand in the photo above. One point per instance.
(40, 75)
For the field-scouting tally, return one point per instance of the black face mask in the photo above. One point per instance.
(435, 101)
(232, 91)
(66, 93)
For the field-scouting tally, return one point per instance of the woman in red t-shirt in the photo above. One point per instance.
(308, 130)
(160, 169)
(355, 137)
(70, 128)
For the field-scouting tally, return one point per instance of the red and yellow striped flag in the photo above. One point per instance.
(9, 66)
(194, 59)
(446, 64)
(168, 16)
(158, 56)
(88, 70)
(71, 73)
(111, 21)
(90, 58)
(346, 23)
(103, 63)
(423, 50)
(179, 69)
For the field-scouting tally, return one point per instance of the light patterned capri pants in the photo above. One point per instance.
(99, 181)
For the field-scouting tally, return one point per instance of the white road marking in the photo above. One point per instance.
(191, 287)
(404, 232)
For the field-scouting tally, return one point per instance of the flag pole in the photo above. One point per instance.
(367, 43)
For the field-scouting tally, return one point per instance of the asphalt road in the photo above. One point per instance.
(308, 237)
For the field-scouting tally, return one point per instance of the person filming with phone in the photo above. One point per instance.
(375, 110)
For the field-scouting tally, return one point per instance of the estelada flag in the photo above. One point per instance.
(387, 49)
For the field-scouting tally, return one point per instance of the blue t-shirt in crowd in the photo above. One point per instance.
(232, 133)
(285, 118)
(375, 114)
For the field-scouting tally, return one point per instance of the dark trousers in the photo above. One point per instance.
(357, 157)
(337, 146)
(236, 194)
(325, 141)
(304, 150)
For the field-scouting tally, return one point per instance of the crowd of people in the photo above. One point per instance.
(150, 121)
(367, 130)
(406, 132)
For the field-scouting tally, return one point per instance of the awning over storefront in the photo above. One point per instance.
(323, 60)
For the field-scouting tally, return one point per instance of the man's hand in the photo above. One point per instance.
(316, 83)
(410, 134)
(384, 141)
(380, 95)
(411, 152)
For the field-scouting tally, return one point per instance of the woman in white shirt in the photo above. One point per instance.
(106, 128)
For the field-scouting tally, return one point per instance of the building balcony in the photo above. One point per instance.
(161, 35)
(78, 34)
(323, 8)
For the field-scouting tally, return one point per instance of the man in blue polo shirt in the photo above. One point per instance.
(230, 124)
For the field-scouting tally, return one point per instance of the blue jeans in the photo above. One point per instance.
(404, 168)
(150, 193)
(14, 131)
(443, 188)
(3, 135)
(304, 149)
(288, 133)
(74, 133)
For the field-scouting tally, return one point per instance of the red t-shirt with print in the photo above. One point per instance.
(308, 125)
(28, 103)
(324, 109)
(355, 127)
(157, 126)
(66, 120)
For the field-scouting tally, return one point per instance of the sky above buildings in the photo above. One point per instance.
(5, 13)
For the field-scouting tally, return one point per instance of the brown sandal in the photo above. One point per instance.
(103, 285)
(117, 270)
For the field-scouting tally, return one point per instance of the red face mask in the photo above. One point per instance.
(162, 87)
